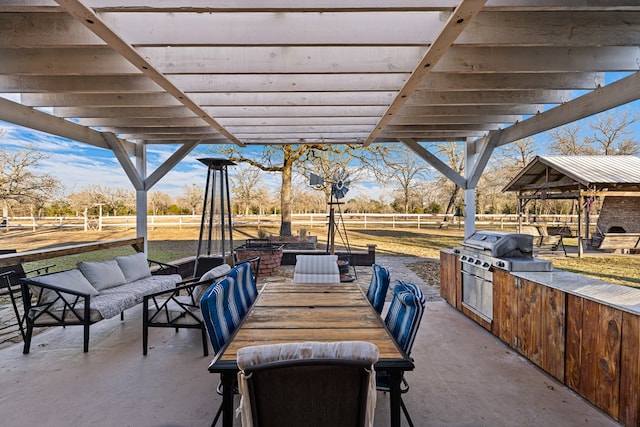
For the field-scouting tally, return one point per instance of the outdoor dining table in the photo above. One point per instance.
(295, 312)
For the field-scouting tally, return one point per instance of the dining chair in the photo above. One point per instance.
(377, 292)
(311, 384)
(402, 321)
(225, 304)
(316, 269)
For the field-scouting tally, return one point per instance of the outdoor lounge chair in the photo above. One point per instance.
(180, 307)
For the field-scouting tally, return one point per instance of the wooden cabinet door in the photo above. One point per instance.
(450, 279)
(504, 307)
(594, 336)
(530, 318)
(540, 326)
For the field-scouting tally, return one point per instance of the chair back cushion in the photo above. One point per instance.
(316, 269)
(247, 291)
(222, 310)
(405, 314)
(308, 384)
(217, 319)
(377, 292)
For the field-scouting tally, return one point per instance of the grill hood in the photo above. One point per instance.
(501, 244)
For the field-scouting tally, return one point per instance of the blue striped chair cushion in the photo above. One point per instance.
(246, 285)
(377, 292)
(405, 314)
(222, 311)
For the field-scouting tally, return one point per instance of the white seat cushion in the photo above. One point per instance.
(316, 269)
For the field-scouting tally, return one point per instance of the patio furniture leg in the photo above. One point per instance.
(395, 398)
(27, 338)
(227, 399)
(205, 343)
(406, 412)
(217, 417)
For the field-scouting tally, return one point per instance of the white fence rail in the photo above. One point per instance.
(364, 220)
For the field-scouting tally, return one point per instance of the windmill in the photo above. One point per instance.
(339, 187)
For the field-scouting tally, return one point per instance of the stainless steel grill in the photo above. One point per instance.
(485, 251)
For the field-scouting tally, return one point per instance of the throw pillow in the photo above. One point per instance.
(102, 275)
(72, 280)
(134, 266)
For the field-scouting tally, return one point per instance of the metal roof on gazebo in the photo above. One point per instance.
(569, 172)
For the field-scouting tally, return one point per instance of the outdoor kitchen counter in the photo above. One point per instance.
(582, 331)
(622, 297)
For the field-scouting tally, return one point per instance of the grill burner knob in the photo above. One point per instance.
(471, 260)
(478, 262)
(500, 264)
(486, 265)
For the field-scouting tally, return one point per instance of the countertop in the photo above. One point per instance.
(622, 297)
(618, 296)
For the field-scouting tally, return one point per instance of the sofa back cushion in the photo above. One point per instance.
(103, 274)
(134, 267)
(72, 280)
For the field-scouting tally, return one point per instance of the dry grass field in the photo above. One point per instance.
(168, 244)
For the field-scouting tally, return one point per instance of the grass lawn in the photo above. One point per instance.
(168, 244)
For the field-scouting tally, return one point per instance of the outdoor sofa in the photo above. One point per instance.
(91, 292)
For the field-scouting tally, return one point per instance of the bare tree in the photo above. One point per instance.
(405, 170)
(565, 140)
(159, 202)
(192, 198)
(504, 166)
(20, 183)
(280, 159)
(612, 133)
(246, 188)
(454, 156)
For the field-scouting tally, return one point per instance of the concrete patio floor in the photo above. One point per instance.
(464, 377)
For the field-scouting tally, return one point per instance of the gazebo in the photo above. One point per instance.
(615, 179)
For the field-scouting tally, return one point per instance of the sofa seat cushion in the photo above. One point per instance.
(52, 317)
(148, 285)
(103, 306)
(134, 267)
(102, 275)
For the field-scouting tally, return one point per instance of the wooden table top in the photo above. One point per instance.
(290, 312)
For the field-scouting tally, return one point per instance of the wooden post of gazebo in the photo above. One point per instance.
(580, 248)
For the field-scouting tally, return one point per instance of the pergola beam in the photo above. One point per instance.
(92, 21)
(31, 118)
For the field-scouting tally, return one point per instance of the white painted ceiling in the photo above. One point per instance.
(329, 71)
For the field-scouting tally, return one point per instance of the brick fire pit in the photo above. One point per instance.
(270, 255)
